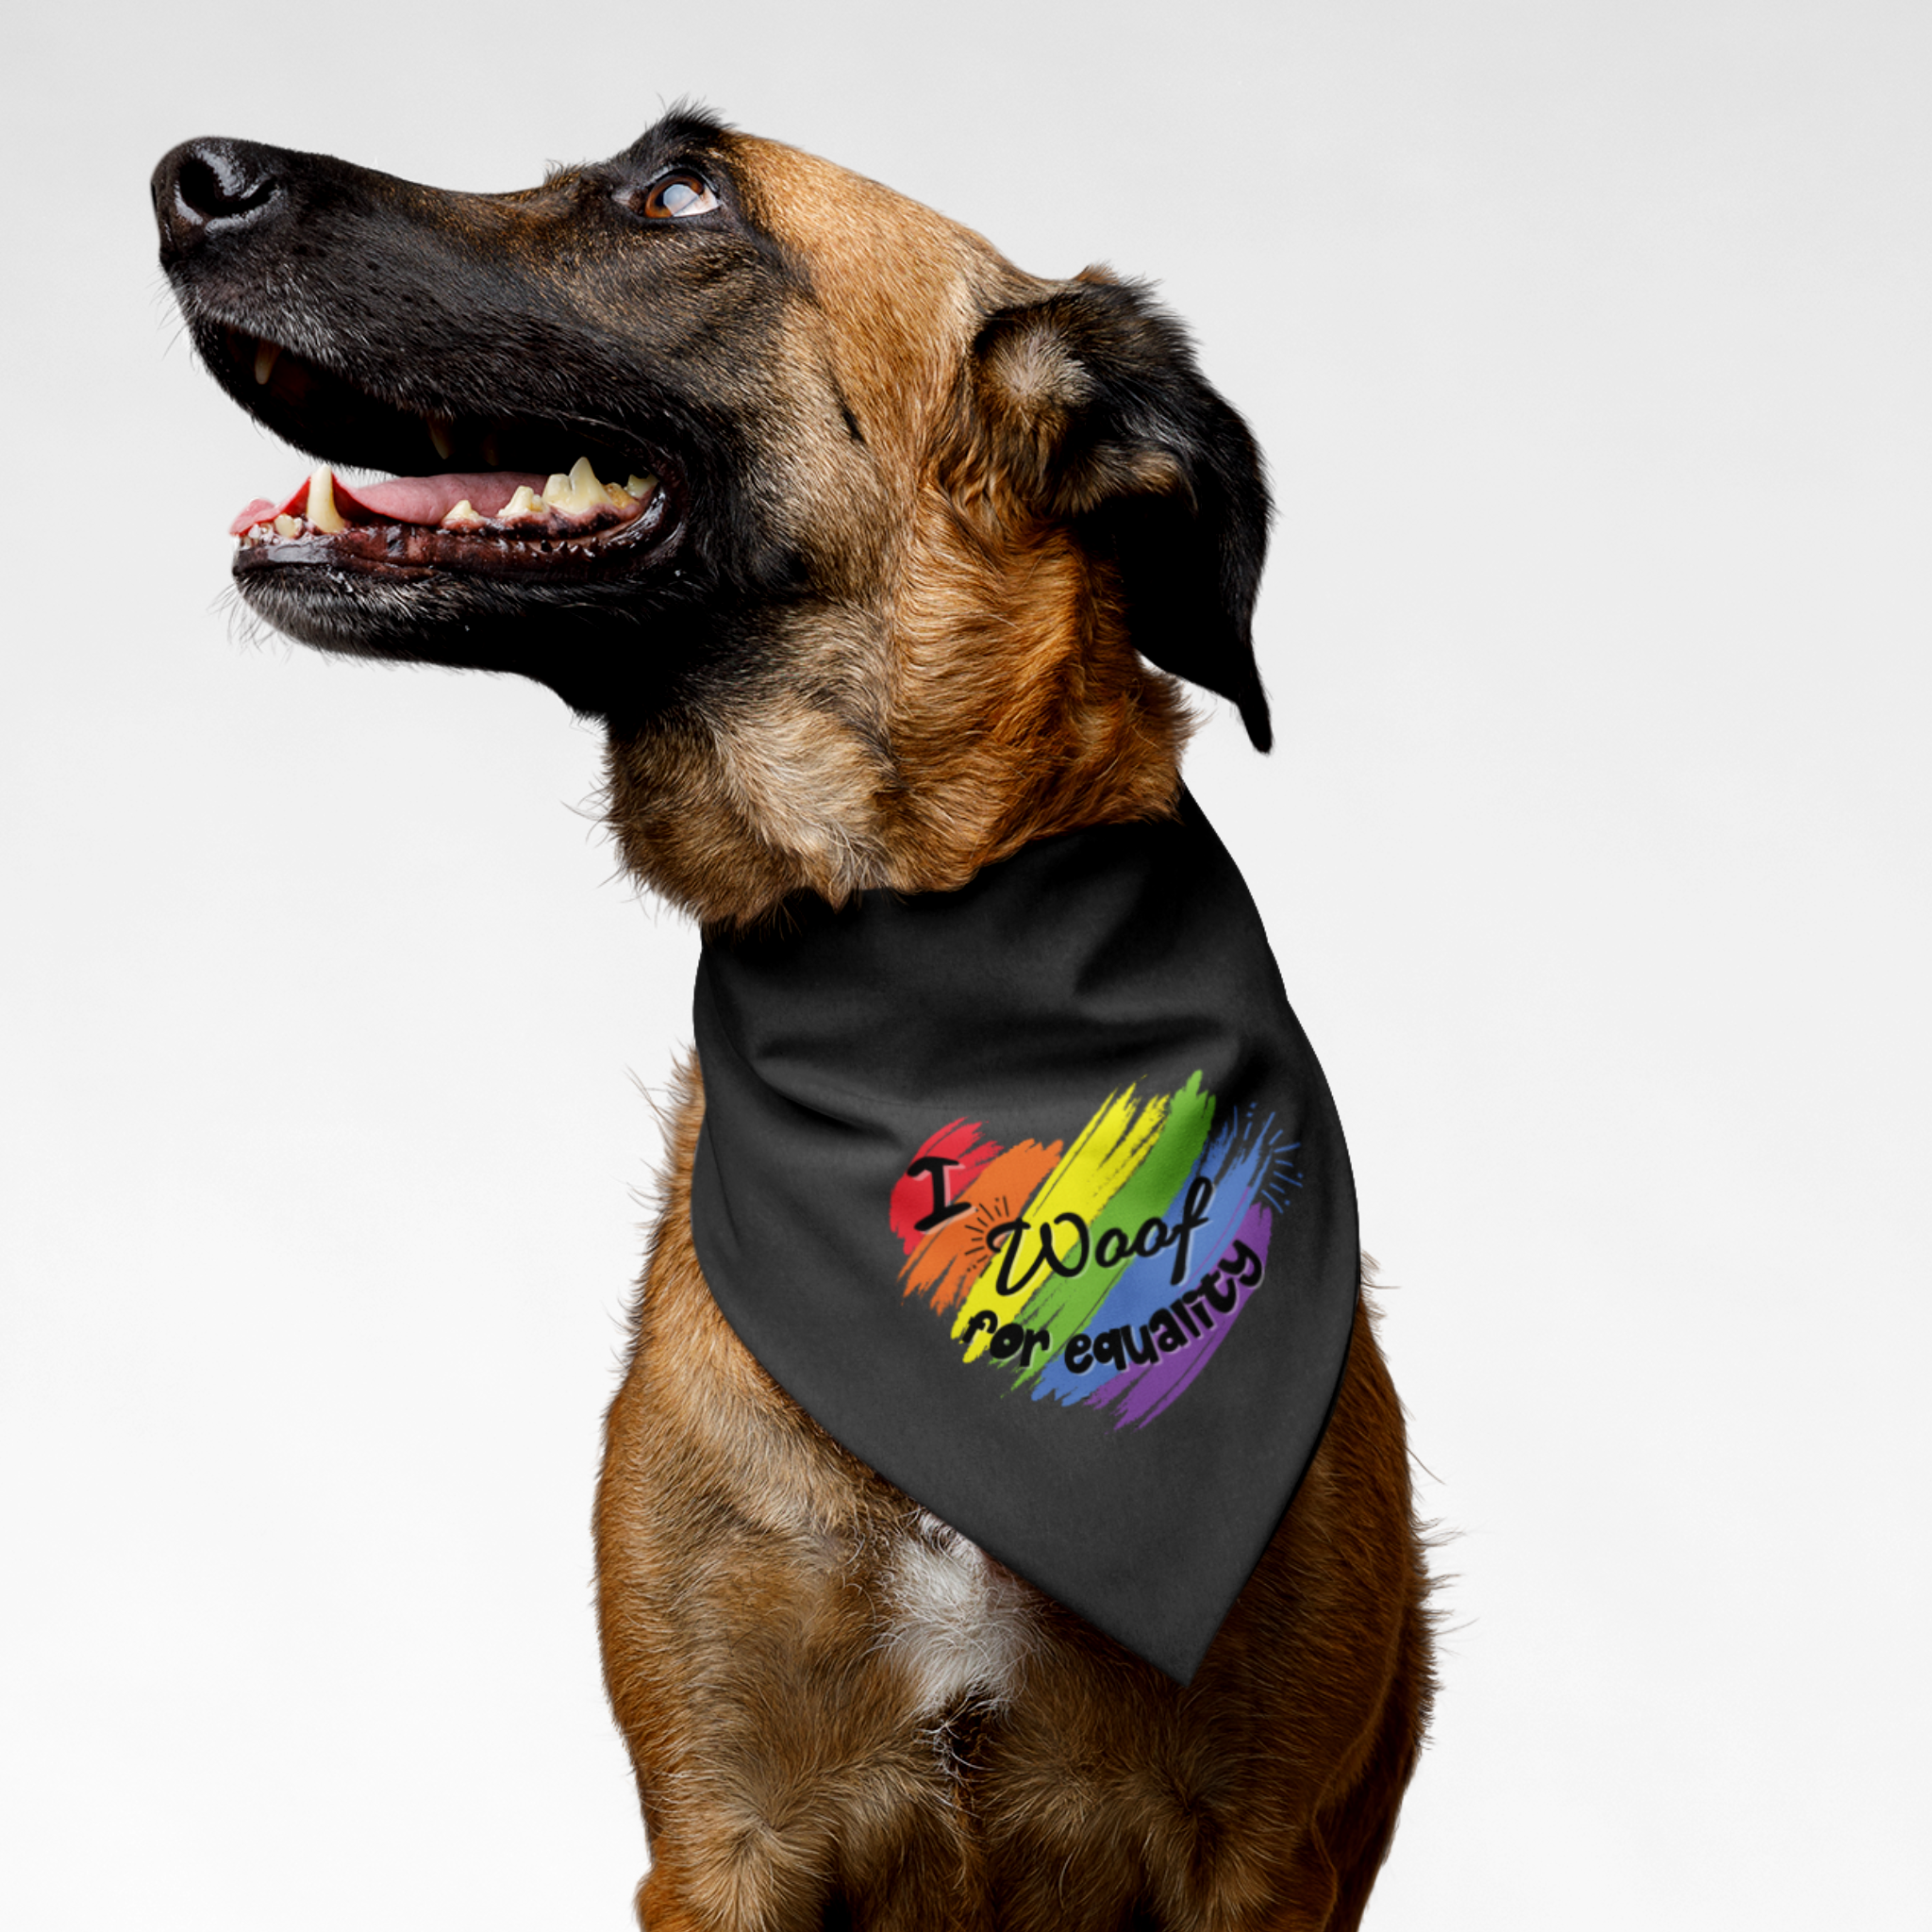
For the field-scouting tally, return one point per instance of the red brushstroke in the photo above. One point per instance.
(912, 1194)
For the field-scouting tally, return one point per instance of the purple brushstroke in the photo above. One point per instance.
(1141, 1390)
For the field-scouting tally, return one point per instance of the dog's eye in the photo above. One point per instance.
(676, 195)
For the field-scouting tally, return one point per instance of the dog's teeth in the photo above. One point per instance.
(288, 527)
(524, 503)
(322, 503)
(576, 492)
(265, 354)
(628, 495)
(464, 513)
(440, 440)
(490, 453)
(586, 492)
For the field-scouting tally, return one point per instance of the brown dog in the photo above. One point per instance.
(901, 527)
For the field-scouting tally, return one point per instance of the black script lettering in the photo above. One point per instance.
(982, 1324)
(1052, 1261)
(1008, 1342)
(1108, 1349)
(1110, 1248)
(1005, 1238)
(1008, 1237)
(1036, 1338)
(1167, 1332)
(1193, 1215)
(1079, 1355)
(1191, 1303)
(936, 1167)
(1186, 1315)
(1210, 1286)
(1243, 1265)
(1146, 1344)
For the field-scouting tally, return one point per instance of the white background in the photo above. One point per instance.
(1590, 346)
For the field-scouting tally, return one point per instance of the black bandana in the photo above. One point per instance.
(1034, 1196)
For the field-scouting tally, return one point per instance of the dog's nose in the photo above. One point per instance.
(213, 187)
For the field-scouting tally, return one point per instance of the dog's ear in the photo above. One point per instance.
(1087, 406)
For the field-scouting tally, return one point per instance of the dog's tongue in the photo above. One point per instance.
(429, 499)
(424, 500)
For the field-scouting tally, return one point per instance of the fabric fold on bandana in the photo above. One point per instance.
(1033, 1195)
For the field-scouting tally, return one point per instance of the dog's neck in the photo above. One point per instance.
(986, 709)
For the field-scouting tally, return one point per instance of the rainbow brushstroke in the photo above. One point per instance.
(1057, 1261)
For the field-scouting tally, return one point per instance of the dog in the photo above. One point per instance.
(877, 559)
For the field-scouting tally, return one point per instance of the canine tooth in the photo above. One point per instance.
(288, 527)
(490, 455)
(440, 440)
(322, 503)
(524, 503)
(465, 512)
(586, 491)
(265, 354)
(557, 491)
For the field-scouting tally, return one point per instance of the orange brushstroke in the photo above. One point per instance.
(954, 1255)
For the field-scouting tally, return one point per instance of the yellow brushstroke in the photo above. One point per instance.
(1104, 1155)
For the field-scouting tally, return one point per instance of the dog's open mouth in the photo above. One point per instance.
(497, 515)
(443, 519)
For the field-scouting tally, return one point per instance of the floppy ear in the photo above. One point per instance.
(1089, 408)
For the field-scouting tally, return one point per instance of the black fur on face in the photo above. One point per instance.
(530, 329)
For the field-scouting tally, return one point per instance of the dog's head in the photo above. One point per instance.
(854, 536)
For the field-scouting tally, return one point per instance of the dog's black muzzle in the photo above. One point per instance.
(387, 327)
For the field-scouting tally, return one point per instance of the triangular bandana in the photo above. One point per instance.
(1033, 1195)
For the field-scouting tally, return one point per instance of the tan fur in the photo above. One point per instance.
(966, 642)
(964, 686)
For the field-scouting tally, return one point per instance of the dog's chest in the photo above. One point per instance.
(956, 1625)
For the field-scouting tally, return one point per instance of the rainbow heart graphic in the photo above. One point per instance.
(1106, 1270)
